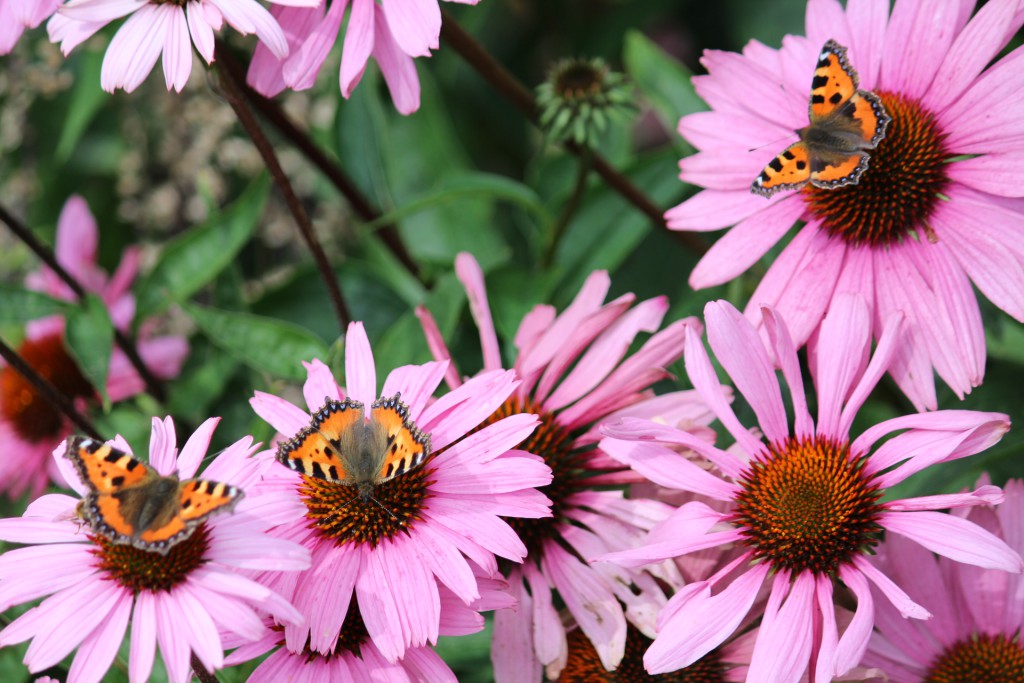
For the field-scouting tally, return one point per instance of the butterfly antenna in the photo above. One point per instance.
(773, 143)
(382, 507)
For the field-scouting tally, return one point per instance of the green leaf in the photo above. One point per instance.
(87, 98)
(90, 339)
(262, 343)
(20, 305)
(197, 257)
(664, 80)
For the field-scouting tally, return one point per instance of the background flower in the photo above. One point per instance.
(178, 601)
(808, 500)
(936, 211)
(18, 15)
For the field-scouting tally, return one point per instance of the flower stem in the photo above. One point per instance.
(275, 115)
(200, 671)
(571, 206)
(515, 92)
(231, 89)
(153, 385)
(51, 394)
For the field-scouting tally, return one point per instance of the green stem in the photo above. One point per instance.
(571, 207)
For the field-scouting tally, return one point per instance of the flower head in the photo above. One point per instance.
(29, 427)
(578, 99)
(181, 600)
(395, 553)
(168, 27)
(975, 631)
(393, 32)
(576, 372)
(809, 508)
(18, 15)
(934, 212)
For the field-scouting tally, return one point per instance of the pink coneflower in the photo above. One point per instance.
(935, 211)
(178, 600)
(18, 15)
(421, 530)
(978, 614)
(29, 428)
(168, 27)
(575, 373)
(808, 500)
(356, 658)
(393, 32)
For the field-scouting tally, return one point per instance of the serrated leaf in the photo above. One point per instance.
(664, 80)
(90, 338)
(262, 343)
(20, 305)
(197, 257)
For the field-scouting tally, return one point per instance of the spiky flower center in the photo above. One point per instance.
(584, 665)
(340, 513)
(32, 417)
(989, 658)
(807, 505)
(144, 570)
(901, 187)
(552, 442)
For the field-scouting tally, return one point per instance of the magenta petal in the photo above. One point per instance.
(457, 412)
(416, 383)
(828, 640)
(844, 343)
(955, 538)
(855, 639)
(399, 69)
(512, 648)
(785, 357)
(279, 413)
(472, 278)
(704, 623)
(908, 63)
(143, 638)
(194, 450)
(319, 385)
(438, 348)
(77, 238)
(359, 38)
(326, 606)
(663, 466)
(715, 209)
(446, 563)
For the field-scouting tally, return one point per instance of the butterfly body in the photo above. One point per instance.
(344, 446)
(130, 503)
(845, 125)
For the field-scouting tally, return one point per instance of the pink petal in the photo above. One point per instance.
(171, 635)
(855, 639)
(741, 352)
(908, 63)
(143, 638)
(867, 20)
(279, 413)
(844, 342)
(360, 371)
(163, 446)
(359, 42)
(666, 468)
(248, 16)
(177, 51)
(77, 238)
(955, 538)
(715, 209)
(446, 563)
(512, 648)
(454, 414)
(97, 651)
(135, 48)
(438, 348)
(746, 243)
(785, 357)
(416, 26)
(416, 384)
(195, 448)
(900, 600)
(705, 622)
(201, 32)
(783, 646)
(472, 278)
(973, 125)
(319, 386)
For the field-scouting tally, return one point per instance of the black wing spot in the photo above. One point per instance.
(817, 99)
(801, 165)
(775, 164)
(116, 481)
(836, 98)
(820, 81)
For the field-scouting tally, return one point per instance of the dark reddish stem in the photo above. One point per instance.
(153, 385)
(231, 89)
(515, 92)
(271, 111)
(200, 671)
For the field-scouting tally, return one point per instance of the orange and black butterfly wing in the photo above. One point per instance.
(871, 117)
(315, 450)
(834, 81)
(103, 468)
(114, 478)
(189, 505)
(407, 447)
(788, 171)
(839, 171)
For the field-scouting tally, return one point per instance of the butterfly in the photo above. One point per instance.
(845, 124)
(341, 445)
(131, 504)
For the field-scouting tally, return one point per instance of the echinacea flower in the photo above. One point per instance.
(393, 32)
(356, 658)
(18, 15)
(575, 372)
(977, 614)
(179, 600)
(29, 427)
(809, 506)
(156, 27)
(937, 210)
(393, 551)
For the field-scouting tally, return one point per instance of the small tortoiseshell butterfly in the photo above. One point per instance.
(131, 504)
(845, 124)
(341, 445)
